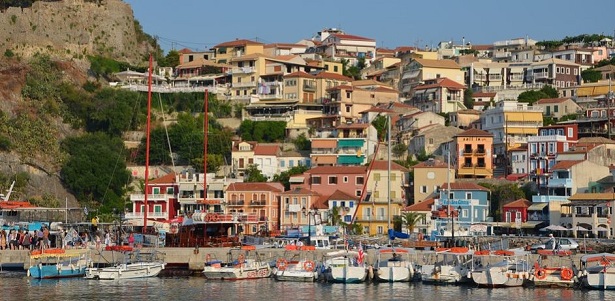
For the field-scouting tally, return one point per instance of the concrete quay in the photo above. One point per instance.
(192, 261)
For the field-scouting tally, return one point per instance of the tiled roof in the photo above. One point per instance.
(376, 110)
(566, 164)
(474, 133)
(448, 64)
(284, 45)
(342, 196)
(594, 141)
(243, 186)
(266, 149)
(383, 165)
(341, 87)
(338, 170)
(237, 42)
(166, 179)
(602, 196)
(482, 47)
(464, 186)
(420, 206)
(299, 74)
(431, 164)
(331, 75)
(300, 191)
(351, 37)
(520, 203)
(484, 94)
(442, 82)
(551, 100)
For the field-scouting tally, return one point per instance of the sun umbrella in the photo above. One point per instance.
(554, 228)
(579, 228)
(602, 229)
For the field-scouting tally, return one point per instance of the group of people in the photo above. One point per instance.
(24, 240)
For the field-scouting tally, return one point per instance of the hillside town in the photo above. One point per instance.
(456, 110)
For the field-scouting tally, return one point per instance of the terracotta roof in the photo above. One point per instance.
(420, 206)
(236, 144)
(484, 94)
(550, 100)
(341, 87)
(404, 48)
(566, 164)
(448, 64)
(266, 149)
(353, 126)
(300, 191)
(340, 195)
(431, 164)
(285, 45)
(299, 74)
(464, 186)
(520, 203)
(482, 47)
(261, 186)
(376, 110)
(383, 165)
(441, 82)
(555, 61)
(474, 133)
(248, 57)
(594, 141)
(331, 75)
(237, 42)
(351, 37)
(337, 170)
(608, 196)
(319, 202)
(166, 179)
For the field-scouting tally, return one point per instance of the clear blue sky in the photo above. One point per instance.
(200, 24)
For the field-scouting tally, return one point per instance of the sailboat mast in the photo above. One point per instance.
(389, 174)
(147, 141)
(205, 130)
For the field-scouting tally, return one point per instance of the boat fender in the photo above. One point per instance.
(566, 274)
(371, 272)
(309, 266)
(540, 274)
(196, 250)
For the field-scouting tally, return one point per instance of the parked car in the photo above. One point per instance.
(563, 242)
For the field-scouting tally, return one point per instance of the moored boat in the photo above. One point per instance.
(297, 264)
(512, 270)
(244, 266)
(344, 267)
(58, 263)
(554, 271)
(448, 266)
(394, 265)
(598, 271)
(135, 266)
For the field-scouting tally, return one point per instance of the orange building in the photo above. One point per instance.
(474, 154)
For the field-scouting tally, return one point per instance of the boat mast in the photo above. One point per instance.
(205, 131)
(389, 175)
(147, 140)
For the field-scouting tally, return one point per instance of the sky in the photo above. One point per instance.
(200, 25)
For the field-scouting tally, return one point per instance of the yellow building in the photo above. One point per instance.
(473, 154)
(348, 101)
(429, 177)
(419, 70)
(226, 51)
(375, 214)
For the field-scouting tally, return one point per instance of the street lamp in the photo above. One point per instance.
(452, 214)
(309, 214)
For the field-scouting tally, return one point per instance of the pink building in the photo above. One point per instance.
(325, 180)
(543, 149)
(255, 199)
(162, 203)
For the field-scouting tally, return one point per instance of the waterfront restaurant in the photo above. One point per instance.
(592, 213)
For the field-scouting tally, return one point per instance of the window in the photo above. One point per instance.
(291, 163)
(332, 180)
(393, 194)
(451, 195)
(423, 189)
(468, 195)
(359, 180)
(334, 68)
(376, 176)
(345, 179)
(357, 193)
(393, 177)
(282, 163)
(316, 180)
(570, 132)
(170, 190)
(158, 210)
(156, 190)
(348, 109)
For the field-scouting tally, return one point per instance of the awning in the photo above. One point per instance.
(411, 74)
(516, 176)
(351, 143)
(531, 224)
(351, 159)
(329, 143)
(215, 186)
(537, 206)
(320, 160)
(296, 180)
(187, 186)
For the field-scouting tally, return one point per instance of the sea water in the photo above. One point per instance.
(17, 286)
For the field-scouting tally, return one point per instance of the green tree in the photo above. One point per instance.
(214, 162)
(95, 171)
(591, 75)
(549, 91)
(468, 98)
(284, 177)
(501, 195)
(170, 60)
(302, 142)
(531, 96)
(335, 219)
(253, 174)
(380, 123)
(411, 219)
(262, 131)
(399, 150)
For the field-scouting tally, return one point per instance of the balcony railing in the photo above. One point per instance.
(309, 88)
(243, 70)
(467, 152)
(258, 203)
(235, 203)
(244, 84)
(480, 152)
(150, 197)
(132, 215)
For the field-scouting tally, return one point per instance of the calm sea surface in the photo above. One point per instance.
(16, 286)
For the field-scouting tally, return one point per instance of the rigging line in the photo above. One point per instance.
(166, 130)
(363, 195)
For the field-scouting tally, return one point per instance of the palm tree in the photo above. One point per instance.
(334, 217)
(411, 219)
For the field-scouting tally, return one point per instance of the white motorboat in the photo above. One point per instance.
(243, 267)
(394, 265)
(133, 268)
(554, 271)
(344, 267)
(298, 265)
(512, 270)
(598, 271)
(448, 266)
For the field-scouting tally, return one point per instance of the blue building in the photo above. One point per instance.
(466, 205)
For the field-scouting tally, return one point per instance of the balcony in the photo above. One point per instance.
(155, 215)
(243, 70)
(480, 152)
(502, 55)
(258, 203)
(235, 203)
(549, 198)
(565, 182)
(240, 97)
(541, 75)
(269, 96)
(244, 84)
(311, 88)
(150, 197)
(467, 152)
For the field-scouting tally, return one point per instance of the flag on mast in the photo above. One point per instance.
(361, 255)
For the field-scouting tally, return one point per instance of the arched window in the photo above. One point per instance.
(263, 197)
(233, 197)
(254, 197)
